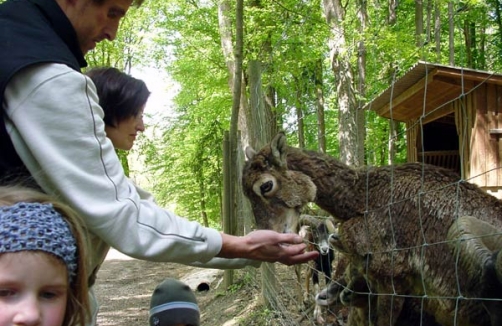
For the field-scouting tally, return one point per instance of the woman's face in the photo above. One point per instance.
(125, 132)
(33, 289)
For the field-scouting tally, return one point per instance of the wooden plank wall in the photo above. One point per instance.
(464, 121)
(411, 139)
(485, 147)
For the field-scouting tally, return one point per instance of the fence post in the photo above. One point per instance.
(228, 275)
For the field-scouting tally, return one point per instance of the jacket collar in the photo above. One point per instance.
(62, 26)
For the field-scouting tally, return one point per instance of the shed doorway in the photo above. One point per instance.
(438, 143)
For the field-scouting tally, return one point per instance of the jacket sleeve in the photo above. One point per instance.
(226, 263)
(216, 262)
(57, 128)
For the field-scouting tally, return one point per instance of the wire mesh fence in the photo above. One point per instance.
(421, 241)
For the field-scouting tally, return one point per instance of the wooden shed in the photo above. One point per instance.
(453, 119)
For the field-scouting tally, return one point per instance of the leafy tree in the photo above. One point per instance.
(287, 63)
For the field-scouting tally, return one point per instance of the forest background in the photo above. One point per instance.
(306, 67)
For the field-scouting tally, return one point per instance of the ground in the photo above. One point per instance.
(124, 287)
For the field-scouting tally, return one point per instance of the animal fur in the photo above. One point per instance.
(351, 289)
(316, 231)
(397, 216)
(477, 245)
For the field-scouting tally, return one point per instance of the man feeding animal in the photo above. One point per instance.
(398, 219)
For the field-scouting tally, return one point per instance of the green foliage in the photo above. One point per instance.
(135, 42)
(377, 138)
(187, 158)
(246, 280)
(186, 163)
(264, 316)
(291, 41)
(122, 155)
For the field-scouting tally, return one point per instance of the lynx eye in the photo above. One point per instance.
(266, 187)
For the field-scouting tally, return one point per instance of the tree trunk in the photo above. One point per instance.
(237, 80)
(498, 19)
(299, 113)
(482, 49)
(361, 65)
(225, 28)
(321, 123)
(260, 124)
(270, 115)
(392, 12)
(451, 35)
(437, 30)
(340, 64)
(419, 23)
(231, 226)
(468, 44)
(258, 115)
(428, 21)
(199, 177)
(392, 142)
(474, 44)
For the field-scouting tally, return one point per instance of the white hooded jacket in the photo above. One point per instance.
(57, 128)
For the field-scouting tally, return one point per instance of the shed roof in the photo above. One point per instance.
(405, 99)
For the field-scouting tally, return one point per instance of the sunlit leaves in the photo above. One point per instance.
(288, 38)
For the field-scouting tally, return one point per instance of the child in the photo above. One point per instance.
(173, 304)
(43, 279)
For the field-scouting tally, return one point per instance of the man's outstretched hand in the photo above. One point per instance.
(268, 246)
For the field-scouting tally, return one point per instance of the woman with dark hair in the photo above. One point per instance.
(123, 99)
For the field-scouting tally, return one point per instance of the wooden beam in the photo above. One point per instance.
(469, 75)
(441, 112)
(419, 86)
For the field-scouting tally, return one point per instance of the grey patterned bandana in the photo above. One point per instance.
(36, 226)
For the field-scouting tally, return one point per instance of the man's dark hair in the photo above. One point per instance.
(136, 3)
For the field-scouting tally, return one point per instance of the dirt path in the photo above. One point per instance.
(124, 287)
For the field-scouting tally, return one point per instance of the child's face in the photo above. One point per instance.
(33, 289)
